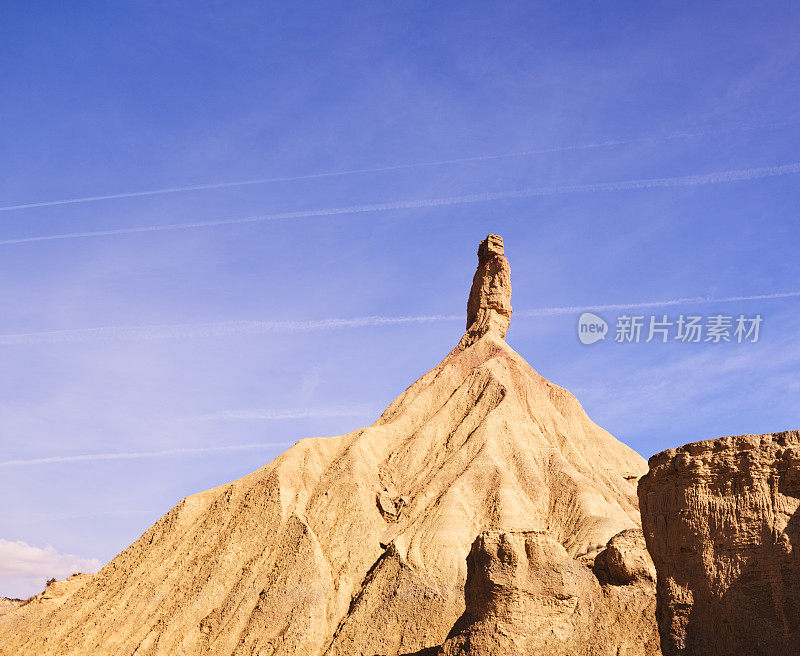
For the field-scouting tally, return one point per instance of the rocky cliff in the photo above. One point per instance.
(357, 545)
(722, 522)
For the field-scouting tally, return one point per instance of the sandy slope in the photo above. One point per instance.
(7, 605)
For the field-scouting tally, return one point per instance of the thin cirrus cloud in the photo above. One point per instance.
(224, 328)
(736, 175)
(382, 169)
(698, 376)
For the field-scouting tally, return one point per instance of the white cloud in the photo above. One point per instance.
(25, 569)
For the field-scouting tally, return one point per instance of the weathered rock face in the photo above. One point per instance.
(489, 304)
(722, 522)
(526, 596)
(357, 545)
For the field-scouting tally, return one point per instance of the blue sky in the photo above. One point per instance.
(171, 339)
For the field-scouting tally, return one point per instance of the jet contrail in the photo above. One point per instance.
(331, 174)
(391, 167)
(296, 413)
(91, 515)
(213, 329)
(622, 185)
(223, 328)
(86, 457)
(694, 300)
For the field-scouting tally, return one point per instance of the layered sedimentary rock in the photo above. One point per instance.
(722, 522)
(357, 544)
(526, 596)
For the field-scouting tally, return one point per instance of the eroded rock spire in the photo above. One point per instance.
(489, 304)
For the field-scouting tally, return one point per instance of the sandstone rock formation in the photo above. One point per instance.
(526, 596)
(357, 545)
(722, 522)
(489, 303)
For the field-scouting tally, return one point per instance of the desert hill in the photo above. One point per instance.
(358, 544)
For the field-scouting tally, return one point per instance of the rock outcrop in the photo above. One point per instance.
(489, 303)
(357, 544)
(526, 596)
(722, 522)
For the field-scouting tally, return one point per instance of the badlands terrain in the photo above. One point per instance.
(483, 513)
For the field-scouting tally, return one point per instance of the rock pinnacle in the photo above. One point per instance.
(489, 304)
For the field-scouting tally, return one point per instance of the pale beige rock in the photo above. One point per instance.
(722, 521)
(357, 544)
(525, 596)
